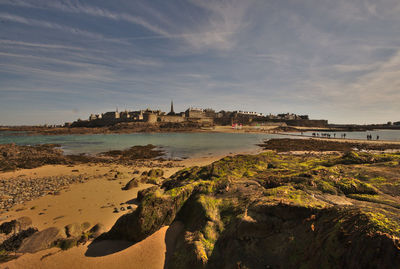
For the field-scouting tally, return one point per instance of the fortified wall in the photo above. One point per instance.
(171, 118)
(199, 117)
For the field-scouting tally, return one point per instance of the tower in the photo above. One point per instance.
(172, 108)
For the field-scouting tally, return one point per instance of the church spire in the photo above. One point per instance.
(172, 108)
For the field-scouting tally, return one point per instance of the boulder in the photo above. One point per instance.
(8, 227)
(24, 223)
(141, 194)
(15, 226)
(153, 173)
(133, 183)
(97, 230)
(41, 240)
(14, 242)
(73, 230)
(85, 226)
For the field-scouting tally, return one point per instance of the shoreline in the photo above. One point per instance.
(151, 128)
(344, 140)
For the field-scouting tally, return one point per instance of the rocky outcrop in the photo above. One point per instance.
(135, 153)
(133, 183)
(288, 144)
(16, 225)
(41, 240)
(76, 229)
(277, 211)
(13, 156)
(147, 219)
(97, 230)
(14, 242)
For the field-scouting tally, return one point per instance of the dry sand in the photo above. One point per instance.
(244, 129)
(149, 253)
(92, 201)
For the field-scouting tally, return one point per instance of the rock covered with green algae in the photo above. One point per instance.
(277, 210)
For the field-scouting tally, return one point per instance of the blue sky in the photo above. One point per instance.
(62, 60)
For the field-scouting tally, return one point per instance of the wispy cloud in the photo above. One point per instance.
(40, 45)
(40, 23)
(376, 88)
(225, 20)
(78, 8)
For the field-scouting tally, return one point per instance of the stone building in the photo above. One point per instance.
(110, 115)
(150, 117)
(171, 118)
(195, 113)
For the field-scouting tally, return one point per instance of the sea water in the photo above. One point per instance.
(176, 145)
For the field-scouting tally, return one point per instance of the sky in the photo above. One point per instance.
(63, 60)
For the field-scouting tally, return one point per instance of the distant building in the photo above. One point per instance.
(95, 117)
(150, 117)
(136, 115)
(209, 112)
(199, 116)
(111, 115)
(250, 113)
(195, 113)
(172, 112)
(125, 115)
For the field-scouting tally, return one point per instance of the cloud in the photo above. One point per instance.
(96, 74)
(40, 45)
(225, 20)
(50, 25)
(78, 8)
(374, 90)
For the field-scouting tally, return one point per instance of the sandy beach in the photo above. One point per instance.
(93, 201)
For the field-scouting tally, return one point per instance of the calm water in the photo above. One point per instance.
(175, 144)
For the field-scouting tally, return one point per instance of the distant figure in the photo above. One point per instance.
(377, 137)
(344, 135)
(334, 135)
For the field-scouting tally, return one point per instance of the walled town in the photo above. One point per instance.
(197, 116)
